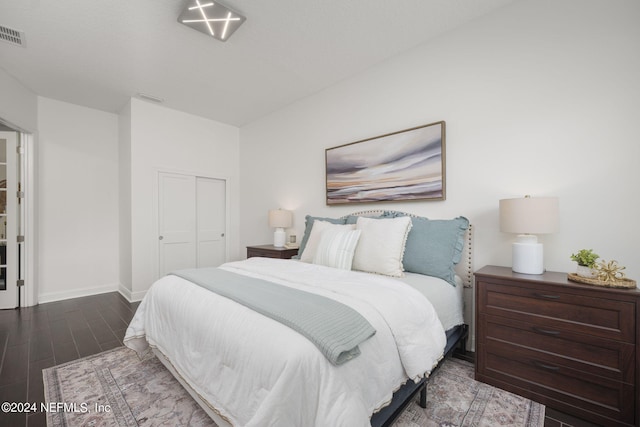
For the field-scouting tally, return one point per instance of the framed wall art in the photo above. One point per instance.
(404, 165)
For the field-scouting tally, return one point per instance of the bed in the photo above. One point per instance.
(245, 368)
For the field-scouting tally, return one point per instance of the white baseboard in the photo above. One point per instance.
(131, 296)
(75, 293)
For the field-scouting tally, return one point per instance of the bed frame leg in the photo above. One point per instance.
(423, 396)
(463, 347)
(462, 344)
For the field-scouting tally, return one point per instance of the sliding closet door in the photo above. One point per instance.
(191, 222)
(211, 221)
(176, 222)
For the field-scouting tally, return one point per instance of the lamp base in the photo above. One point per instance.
(279, 237)
(528, 257)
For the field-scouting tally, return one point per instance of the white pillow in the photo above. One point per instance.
(315, 236)
(336, 248)
(381, 246)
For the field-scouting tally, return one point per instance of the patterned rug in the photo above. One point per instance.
(117, 389)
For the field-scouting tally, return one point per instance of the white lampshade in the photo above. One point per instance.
(280, 219)
(527, 217)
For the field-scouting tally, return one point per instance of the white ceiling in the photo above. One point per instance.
(101, 53)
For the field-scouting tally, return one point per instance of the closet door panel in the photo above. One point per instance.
(211, 221)
(176, 222)
(191, 222)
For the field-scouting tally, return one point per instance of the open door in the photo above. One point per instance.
(8, 220)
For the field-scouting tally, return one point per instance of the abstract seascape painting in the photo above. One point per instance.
(404, 165)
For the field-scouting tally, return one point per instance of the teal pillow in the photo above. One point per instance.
(353, 219)
(309, 225)
(434, 247)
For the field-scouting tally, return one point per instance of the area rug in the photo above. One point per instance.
(117, 389)
(454, 398)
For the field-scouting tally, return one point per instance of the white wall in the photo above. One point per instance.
(98, 185)
(77, 199)
(124, 199)
(540, 98)
(18, 105)
(168, 140)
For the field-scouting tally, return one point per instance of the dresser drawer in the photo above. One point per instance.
(526, 371)
(264, 253)
(270, 251)
(600, 317)
(586, 353)
(570, 346)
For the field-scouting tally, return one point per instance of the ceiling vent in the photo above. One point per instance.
(12, 36)
(150, 97)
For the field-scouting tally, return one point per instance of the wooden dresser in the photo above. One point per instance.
(270, 251)
(572, 347)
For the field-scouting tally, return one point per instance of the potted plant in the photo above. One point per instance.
(586, 260)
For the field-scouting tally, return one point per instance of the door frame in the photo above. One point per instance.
(28, 294)
(156, 204)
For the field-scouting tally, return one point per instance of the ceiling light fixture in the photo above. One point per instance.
(212, 19)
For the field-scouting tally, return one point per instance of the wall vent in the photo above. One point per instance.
(12, 36)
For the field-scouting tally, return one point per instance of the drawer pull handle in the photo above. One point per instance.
(547, 296)
(545, 331)
(545, 366)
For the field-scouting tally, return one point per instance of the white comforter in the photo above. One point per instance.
(257, 372)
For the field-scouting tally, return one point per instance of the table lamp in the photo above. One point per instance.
(528, 216)
(280, 219)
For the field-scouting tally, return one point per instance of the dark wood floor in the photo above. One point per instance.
(35, 338)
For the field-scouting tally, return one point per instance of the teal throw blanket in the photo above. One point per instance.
(336, 329)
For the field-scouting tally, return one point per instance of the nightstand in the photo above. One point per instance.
(570, 346)
(270, 251)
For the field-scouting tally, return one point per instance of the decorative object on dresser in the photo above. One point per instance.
(292, 243)
(270, 251)
(570, 346)
(586, 260)
(606, 274)
(280, 219)
(404, 165)
(527, 217)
